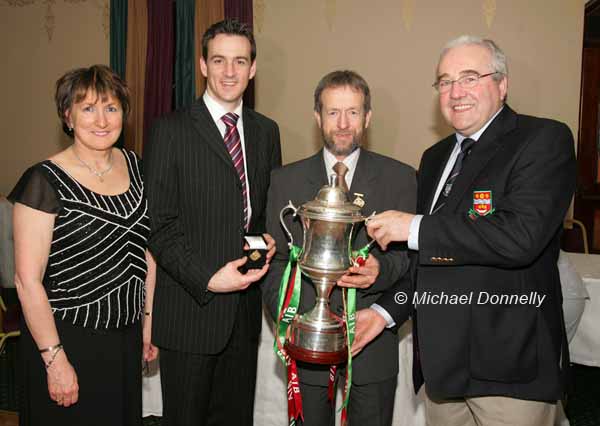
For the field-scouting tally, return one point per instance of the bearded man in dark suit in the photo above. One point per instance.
(342, 111)
(491, 202)
(207, 173)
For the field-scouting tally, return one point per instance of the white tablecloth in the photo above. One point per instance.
(270, 406)
(585, 346)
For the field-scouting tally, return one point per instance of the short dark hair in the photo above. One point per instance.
(229, 27)
(343, 78)
(74, 86)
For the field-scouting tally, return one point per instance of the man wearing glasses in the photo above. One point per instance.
(490, 343)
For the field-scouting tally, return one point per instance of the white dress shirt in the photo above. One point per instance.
(217, 112)
(350, 162)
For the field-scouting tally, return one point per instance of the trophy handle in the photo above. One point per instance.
(367, 219)
(289, 206)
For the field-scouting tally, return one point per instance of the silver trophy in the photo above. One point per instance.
(328, 221)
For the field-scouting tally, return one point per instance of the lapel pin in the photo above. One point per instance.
(359, 201)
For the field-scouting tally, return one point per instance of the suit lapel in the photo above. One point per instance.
(364, 179)
(428, 183)
(483, 151)
(251, 143)
(208, 131)
(317, 175)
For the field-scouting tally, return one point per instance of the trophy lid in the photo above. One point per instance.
(332, 204)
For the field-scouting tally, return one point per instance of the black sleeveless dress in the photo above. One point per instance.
(94, 280)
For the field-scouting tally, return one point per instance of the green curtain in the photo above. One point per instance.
(118, 43)
(185, 87)
(118, 36)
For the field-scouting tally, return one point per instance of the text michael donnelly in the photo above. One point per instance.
(480, 298)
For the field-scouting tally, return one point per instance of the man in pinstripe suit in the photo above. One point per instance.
(207, 172)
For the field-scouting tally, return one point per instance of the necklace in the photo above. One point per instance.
(98, 173)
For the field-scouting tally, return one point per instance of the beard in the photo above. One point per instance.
(341, 149)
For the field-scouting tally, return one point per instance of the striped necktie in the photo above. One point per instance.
(233, 143)
(465, 149)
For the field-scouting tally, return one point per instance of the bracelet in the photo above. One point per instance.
(50, 348)
(55, 350)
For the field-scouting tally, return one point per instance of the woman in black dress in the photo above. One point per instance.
(83, 275)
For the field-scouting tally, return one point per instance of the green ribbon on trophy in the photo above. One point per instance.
(287, 307)
(349, 298)
(287, 313)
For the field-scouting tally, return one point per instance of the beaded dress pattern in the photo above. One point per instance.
(97, 267)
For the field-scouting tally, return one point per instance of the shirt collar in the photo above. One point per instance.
(217, 111)
(475, 136)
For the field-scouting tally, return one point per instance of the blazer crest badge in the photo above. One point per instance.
(482, 204)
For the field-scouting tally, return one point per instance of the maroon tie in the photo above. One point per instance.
(234, 146)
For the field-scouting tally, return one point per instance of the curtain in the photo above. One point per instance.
(242, 11)
(207, 13)
(159, 61)
(118, 44)
(185, 80)
(118, 36)
(135, 74)
(156, 45)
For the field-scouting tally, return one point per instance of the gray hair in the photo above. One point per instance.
(498, 63)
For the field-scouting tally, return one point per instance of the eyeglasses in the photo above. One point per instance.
(466, 82)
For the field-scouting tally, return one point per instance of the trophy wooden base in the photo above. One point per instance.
(316, 357)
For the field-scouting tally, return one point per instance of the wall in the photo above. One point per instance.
(39, 41)
(395, 45)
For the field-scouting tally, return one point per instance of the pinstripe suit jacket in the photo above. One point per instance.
(196, 206)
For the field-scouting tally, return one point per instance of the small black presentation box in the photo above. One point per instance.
(257, 252)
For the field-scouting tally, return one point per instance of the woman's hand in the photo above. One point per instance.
(62, 381)
(149, 351)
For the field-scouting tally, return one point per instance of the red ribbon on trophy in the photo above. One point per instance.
(289, 299)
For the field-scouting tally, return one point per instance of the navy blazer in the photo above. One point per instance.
(481, 347)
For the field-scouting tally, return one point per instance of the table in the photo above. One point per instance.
(585, 346)
(270, 406)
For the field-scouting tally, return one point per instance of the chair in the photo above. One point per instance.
(9, 316)
(575, 238)
(9, 322)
